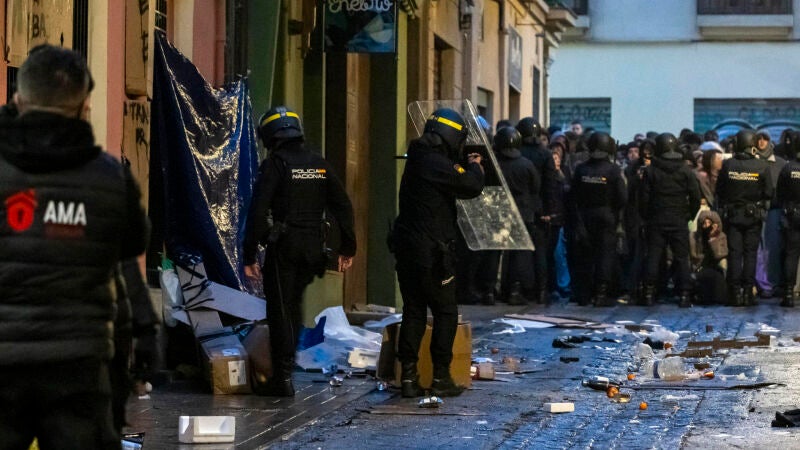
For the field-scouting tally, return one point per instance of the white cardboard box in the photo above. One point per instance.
(199, 429)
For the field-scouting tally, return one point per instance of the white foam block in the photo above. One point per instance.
(559, 407)
(197, 429)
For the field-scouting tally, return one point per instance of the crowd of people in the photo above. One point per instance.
(687, 218)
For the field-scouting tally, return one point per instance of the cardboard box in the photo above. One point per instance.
(389, 366)
(226, 365)
(257, 345)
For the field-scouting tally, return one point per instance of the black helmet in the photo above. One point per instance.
(793, 142)
(528, 127)
(745, 142)
(668, 147)
(507, 138)
(279, 122)
(449, 125)
(601, 145)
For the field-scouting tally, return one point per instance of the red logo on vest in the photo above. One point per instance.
(19, 210)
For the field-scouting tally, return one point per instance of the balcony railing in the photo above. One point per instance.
(579, 7)
(709, 7)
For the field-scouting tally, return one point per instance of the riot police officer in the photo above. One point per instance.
(787, 198)
(523, 182)
(596, 200)
(296, 186)
(542, 159)
(743, 187)
(423, 242)
(670, 197)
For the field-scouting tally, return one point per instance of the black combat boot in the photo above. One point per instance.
(409, 381)
(734, 296)
(542, 298)
(648, 297)
(443, 384)
(280, 385)
(515, 297)
(685, 300)
(788, 297)
(602, 299)
(748, 298)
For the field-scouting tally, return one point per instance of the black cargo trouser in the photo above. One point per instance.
(289, 266)
(791, 237)
(676, 237)
(594, 255)
(421, 290)
(742, 252)
(64, 405)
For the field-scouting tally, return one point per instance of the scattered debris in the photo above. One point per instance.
(787, 419)
(430, 402)
(484, 371)
(561, 322)
(600, 383)
(559, 407)
(569, 359)
(417, 411)
(762, 340)
(621, 397)
(208, 429)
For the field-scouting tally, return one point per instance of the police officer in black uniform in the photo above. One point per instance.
(523, 181)
(596, 199)
(296, 185)
(423, 242)
(670, 198)
(542, 159)
(743, 188)
(787, 198)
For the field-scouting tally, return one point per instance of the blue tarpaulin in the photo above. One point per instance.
(205, 143)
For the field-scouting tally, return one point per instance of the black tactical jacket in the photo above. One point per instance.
(70, 212)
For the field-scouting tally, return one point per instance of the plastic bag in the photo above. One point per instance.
(338, 331)
(171, 295)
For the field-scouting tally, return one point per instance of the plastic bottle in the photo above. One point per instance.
(667, 369)
(643, 352)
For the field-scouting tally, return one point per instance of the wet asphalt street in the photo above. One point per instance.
(733, 410)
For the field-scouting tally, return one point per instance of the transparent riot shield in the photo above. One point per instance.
(490, 221)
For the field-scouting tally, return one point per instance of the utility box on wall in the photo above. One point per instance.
(33, 22)
(139, 20)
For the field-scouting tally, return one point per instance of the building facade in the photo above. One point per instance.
(633, 66)
(353, 104)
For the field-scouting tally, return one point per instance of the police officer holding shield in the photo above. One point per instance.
(423, 242)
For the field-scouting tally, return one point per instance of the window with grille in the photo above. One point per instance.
(161, 16)
(236, 40)
(537, 89)
(438, 55)
(744, 7)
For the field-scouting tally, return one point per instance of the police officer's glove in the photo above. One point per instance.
(146, 352)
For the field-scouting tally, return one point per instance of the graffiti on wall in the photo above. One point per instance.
(136, 141)
(592, 112)
(34, 22)
(138, 43)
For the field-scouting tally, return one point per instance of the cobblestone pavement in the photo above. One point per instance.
(726, 412)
